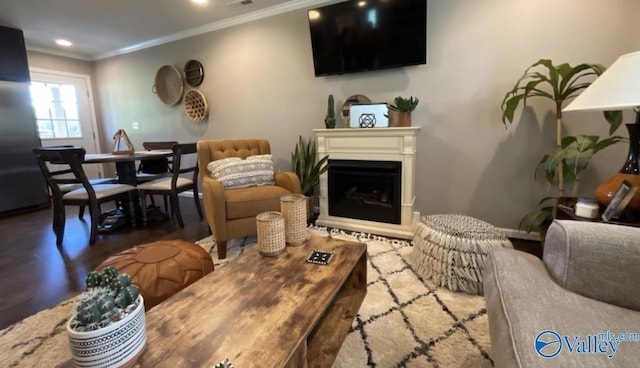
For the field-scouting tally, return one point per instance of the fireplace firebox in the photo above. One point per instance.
(365, 190)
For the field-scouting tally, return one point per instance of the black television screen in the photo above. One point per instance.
(361, 35)
(13, 56)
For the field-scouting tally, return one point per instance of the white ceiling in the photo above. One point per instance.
(103, 28)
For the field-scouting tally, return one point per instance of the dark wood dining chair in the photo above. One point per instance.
(68, 171)
(177, 182)
(155, 168)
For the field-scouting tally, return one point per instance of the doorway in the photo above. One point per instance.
(65, 114)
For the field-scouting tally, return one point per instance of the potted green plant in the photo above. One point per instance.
(108, 327)
(305, 164)
(572, 153)
(400, 110)
(330, 119)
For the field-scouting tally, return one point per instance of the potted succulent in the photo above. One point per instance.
(400, 110)
(305, 164)
(108, 327)
(572, 154)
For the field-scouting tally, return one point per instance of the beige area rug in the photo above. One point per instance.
(403, 321)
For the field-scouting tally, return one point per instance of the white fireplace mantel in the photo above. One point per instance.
(373, 144)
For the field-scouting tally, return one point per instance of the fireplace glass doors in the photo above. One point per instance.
(365, 190)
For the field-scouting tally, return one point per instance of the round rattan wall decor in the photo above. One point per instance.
(168, 85)
(195, 105)
(193, 73)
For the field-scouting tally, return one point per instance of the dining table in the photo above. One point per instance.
(126, 173)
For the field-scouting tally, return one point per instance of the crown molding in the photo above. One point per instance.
(226, 23)
(66, 54)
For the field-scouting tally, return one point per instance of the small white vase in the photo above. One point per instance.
(117, 345)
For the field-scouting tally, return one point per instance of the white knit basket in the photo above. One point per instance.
(271, 238)
(294, 210)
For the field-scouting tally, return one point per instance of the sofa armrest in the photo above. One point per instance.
(214, 207)
(288, 181)
(597, 260)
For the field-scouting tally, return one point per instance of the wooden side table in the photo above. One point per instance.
(566, 211)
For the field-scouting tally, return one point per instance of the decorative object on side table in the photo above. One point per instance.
(572, 153)
(306, 165)
(400, 111)
(320, 257)
(108, 328)
(294, 210)
(586, 208)
(271, 234)
(617, 88)
(620, 200)
(330, 119)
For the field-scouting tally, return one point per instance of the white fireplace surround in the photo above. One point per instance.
(372, 144)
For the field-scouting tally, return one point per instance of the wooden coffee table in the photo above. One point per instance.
(262, 311)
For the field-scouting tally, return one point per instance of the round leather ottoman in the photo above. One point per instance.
(162, 268)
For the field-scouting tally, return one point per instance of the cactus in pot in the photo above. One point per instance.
(330, 119)
(109, 297)
(108, 327)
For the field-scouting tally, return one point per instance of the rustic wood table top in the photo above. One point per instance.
(262, 311)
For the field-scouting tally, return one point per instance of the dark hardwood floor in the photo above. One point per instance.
(36, 274)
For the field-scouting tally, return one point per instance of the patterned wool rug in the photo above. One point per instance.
(403, 321)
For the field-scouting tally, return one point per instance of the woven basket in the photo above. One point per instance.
(294, 210)
(195, 105)
(271, 240)
(168, 85)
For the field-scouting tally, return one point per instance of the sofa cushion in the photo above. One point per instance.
(601, 261)
(234, 172)
(523, 300)
(249, 202)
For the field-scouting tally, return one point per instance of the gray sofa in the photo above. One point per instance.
(548, 313)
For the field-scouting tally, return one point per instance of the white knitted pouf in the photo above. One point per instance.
(451, 250)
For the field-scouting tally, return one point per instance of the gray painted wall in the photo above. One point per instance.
(259, 83)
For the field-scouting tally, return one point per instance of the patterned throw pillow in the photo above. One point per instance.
(233, 172)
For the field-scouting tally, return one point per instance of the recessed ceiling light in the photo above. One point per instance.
(362, 3)
(200, 2)
(314, 14)
(63, 42)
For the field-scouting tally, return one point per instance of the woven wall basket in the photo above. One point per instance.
(195, 105)
(168, 85)
(271, 238)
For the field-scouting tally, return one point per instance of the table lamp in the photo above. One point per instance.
(618, 88)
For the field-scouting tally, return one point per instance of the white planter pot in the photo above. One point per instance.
(117, 345)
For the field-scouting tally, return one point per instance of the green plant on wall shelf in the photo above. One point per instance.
(305, 164)
(572, 153)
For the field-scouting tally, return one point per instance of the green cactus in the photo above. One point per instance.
(330, 119)
(109, 297)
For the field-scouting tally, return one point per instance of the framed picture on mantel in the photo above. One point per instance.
(369, 115)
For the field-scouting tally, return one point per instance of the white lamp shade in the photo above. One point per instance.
(616, 89)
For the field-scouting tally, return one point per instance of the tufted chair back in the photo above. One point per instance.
(232, 212)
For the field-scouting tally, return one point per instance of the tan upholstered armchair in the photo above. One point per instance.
(231, 213)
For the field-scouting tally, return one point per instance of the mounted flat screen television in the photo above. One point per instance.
(356, 36)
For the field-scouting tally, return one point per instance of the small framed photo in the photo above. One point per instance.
(619, 201)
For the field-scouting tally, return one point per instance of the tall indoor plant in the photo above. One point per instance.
(571, 155)
(305, 164)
